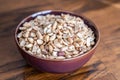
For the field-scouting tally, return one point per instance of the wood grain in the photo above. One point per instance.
(104, 65)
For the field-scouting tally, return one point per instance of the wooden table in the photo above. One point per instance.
(104, 65)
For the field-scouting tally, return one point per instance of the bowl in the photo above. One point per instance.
(58, 66)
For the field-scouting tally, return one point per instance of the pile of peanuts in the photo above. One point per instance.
(56, 36)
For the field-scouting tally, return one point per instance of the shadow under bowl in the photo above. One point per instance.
(58, 66)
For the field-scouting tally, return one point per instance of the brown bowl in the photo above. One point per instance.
(58, 66)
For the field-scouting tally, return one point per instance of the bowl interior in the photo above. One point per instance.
(86, 21)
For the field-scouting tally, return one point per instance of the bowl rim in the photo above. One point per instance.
(57, 11)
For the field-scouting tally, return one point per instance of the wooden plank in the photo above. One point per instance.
(104, 65)
(108, 76)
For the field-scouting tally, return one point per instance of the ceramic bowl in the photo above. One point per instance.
(58, 66)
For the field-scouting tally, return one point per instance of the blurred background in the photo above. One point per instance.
(104, 65)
